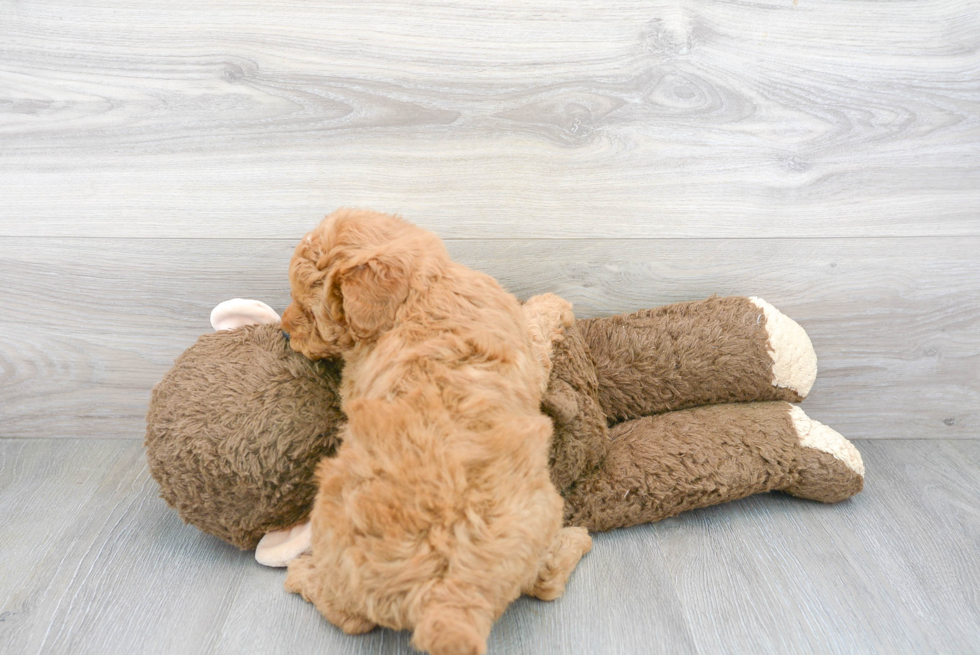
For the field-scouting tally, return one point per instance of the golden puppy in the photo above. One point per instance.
(438, 510)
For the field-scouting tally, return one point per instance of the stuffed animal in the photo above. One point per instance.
(655, 412)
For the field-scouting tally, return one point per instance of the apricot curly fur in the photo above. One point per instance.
(438, 509)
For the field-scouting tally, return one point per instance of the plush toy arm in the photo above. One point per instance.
(718, 350)
(662, 465)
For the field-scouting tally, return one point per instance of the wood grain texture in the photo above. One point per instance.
(864, 576)
(67, 593)
(90, 325)
(531, 119)
(93, 562)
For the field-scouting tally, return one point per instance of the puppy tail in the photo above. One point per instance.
(449, 629)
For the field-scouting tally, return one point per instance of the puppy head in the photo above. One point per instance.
(349, 277)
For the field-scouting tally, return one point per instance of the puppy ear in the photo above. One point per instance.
(306, 267)
(371, 294)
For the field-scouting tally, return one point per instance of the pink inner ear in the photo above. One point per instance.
(241, 311)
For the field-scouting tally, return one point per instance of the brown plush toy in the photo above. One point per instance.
(655, 413)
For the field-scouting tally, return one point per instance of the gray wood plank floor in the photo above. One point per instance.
(91, 561)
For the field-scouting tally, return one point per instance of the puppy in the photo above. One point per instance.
(438, 510)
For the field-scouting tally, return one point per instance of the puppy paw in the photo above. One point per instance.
(305, 580)
(300, 576)
(352, 624)
(794, 362)
(547, 318)
(568, 547)
(448, 631)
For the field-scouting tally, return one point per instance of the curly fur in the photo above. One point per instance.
(438, 510)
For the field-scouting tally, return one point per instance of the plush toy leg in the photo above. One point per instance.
(818, 473)
(718, 350)
(662, 465)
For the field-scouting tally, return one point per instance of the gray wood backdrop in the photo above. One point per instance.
(157, 157)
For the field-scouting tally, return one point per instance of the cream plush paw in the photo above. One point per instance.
(794, 362)
(829, 468)
(279, 548)
(814, 434)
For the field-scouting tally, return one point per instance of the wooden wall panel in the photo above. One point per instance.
(531, 119)
(89, 325)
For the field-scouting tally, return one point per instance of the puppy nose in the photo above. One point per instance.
(285, 335)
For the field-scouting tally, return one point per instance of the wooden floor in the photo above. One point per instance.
(92, 561)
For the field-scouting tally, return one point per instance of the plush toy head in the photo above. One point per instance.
(235, 430)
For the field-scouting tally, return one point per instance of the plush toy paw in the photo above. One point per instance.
(794, 362)
(279, 548)
(830, 468)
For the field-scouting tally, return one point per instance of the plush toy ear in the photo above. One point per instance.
(371, 294)
(240, 311)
